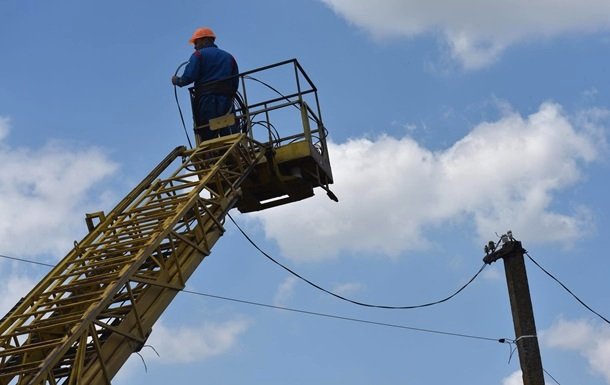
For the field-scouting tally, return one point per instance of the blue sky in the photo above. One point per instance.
(449, 122)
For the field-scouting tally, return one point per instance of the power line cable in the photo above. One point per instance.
(549, 374)
(333, 316)
(513, 348)
(566, 288)
(319, 314)
(280, 94)
(347, 299)
(27, 260)
(178, 104)
(324, 315)
(369, 322)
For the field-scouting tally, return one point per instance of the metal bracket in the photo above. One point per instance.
(507, 250)
(96, 215)
(222, 122)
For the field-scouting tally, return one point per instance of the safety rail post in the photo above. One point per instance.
(313, 87)
(296, 76)
(268, 119)
(305, 119)
(319, 111)
(246, 108)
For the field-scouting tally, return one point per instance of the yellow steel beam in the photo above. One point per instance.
(98, 305)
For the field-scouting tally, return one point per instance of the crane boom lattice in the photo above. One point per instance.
(98, 305)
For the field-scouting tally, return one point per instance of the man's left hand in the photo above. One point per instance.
(175, 80)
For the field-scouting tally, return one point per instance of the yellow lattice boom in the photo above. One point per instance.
(98, 305)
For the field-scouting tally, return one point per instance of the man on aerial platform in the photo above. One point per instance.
(214, 74)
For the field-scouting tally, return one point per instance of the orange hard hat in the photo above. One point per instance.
(200, 33)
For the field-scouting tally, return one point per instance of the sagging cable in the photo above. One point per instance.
(178, 104)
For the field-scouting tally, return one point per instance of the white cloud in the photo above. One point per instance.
(4, 127)
(13, 287)
(347, 289)
(590, 340)
(476, 32)
(184, 345)
(502, 175)
(285, 291)
(514, 379)
(45, 193)
(492, 273)
(192, 344)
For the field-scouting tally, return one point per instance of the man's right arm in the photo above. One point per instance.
(190, 72)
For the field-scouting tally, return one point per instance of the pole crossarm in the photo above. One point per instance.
(507, 250)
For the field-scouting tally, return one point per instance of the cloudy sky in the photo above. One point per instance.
(450, 122)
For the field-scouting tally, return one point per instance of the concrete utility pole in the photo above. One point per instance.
(521, 305)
